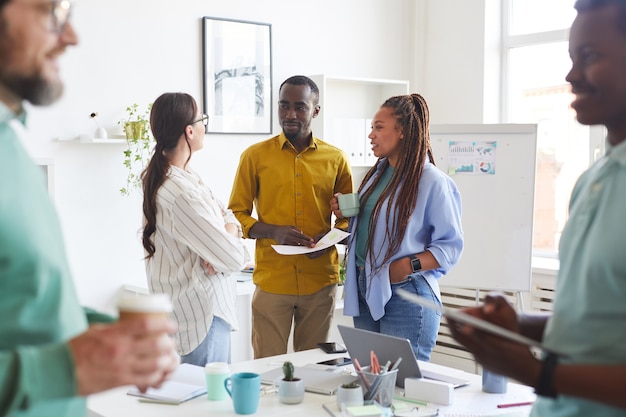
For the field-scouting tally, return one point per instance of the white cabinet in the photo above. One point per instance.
(347, 107)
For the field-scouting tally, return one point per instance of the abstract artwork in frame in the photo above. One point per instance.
(237, 76)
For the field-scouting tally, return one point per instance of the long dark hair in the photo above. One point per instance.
(171, 113)
(411, 112)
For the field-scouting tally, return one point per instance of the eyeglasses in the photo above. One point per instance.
(204, 119)
(59, 12)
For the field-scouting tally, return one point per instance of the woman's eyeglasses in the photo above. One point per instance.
(204, 119)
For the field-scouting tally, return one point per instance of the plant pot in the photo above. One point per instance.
(134, 130)
(339, 295)
(348, 397)
(291, 392)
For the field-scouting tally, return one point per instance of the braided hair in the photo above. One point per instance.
(411, 112)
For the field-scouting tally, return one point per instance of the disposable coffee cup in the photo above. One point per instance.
(349, 204)
(215, 374)
(134, 306)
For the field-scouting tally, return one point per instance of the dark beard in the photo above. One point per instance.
(33, 89)
(291, 136)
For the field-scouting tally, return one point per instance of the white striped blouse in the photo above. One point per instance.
(190, 228)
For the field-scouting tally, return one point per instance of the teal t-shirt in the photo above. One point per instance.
(589, 319)
(38, 303)
(362, 231)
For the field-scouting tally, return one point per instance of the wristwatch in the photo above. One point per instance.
(545, 386)
(416, 264)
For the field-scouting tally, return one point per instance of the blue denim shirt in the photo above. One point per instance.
(435, 226)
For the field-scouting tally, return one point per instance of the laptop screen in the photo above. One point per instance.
(387, 348)
(361, 342)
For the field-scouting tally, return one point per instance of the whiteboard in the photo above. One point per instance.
(494, 168)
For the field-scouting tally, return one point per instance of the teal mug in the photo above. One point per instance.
(244, 388)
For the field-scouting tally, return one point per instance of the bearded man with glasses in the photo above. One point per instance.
(51, 355)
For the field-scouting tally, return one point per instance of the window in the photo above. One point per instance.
(535, 63)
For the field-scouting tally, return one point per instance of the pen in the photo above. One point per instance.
(375, 366)
(515, 404)
(396, 364)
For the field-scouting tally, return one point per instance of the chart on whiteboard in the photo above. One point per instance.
(472, 158)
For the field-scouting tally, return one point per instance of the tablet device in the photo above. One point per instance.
(465, 318)
(336, 362)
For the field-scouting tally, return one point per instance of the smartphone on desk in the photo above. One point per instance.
(336, 362)
(332, 347)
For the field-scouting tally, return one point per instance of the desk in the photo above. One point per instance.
(115, 403)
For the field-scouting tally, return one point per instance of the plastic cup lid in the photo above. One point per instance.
(145, 303)
(216, 367)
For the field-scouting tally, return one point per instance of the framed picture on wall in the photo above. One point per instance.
(237, 75)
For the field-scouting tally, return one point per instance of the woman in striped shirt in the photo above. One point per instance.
(192, 242)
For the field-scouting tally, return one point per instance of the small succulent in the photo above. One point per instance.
(353, 384)
(288, 371)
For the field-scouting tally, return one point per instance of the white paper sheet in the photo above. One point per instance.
(329, 239)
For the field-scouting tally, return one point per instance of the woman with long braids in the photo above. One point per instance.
(192, 242)
(408, 232)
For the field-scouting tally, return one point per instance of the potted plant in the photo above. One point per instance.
(349, 394)
(136, 126)
(290, 388)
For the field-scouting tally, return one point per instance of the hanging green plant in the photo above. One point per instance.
(136, 126)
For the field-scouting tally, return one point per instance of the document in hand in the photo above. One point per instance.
(329, 239)
(186, 382)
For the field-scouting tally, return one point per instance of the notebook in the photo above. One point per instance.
(185, 383)
(389, 348)
(319, 381)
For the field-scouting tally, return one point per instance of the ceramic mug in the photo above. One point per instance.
(494, 383)
(215, 374)
(244, 388)
(349, 204)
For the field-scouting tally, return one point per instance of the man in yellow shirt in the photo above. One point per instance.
(290, 180)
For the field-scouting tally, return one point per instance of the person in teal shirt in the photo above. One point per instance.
(587, 329)
(50, 355)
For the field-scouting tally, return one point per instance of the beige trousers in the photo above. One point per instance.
(272, 315)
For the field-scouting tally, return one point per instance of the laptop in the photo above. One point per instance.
(320, 380)
(361, 342)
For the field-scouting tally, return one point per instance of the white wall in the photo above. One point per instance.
(455, 69)
(133, 50)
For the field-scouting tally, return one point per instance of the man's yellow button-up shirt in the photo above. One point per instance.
(292, 189)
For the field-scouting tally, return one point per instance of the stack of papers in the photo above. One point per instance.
(185, 383)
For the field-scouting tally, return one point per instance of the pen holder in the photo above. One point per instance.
(378, 387)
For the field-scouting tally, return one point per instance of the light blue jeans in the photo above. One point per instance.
(403, 318)
(214, 348)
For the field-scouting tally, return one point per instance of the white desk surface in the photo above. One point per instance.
(468, 400)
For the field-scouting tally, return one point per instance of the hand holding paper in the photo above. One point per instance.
(329, 239)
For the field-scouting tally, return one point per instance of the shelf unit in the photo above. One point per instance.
(347, 106)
